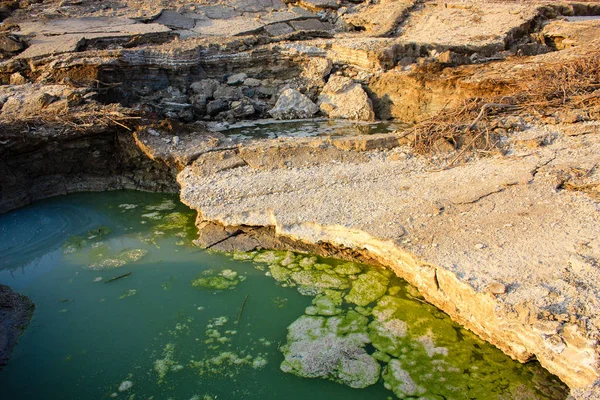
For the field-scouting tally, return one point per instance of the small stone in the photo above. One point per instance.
(480, 246)
(251, 82)
(497, 288)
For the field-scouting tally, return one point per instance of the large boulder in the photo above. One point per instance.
(317, 69)
(293, 105)
(343, 98)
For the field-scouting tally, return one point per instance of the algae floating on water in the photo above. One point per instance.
(364, 324)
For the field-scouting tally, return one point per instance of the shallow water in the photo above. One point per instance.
(191, 324)
(272, 129)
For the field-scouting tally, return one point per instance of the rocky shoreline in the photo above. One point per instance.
(16, 311)
(488, 205)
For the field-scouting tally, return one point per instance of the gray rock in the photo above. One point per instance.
(293, 105)
(266, 91)
(278, 29)
(219, 12)
(242, 108)
(311, 25)
(174, 20)
(216, 106)
(251, 82)
(10, 44)
(230, 93)
(320, 4)
(205, 87)
(236, 79)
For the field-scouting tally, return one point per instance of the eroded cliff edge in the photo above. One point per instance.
(491, 211)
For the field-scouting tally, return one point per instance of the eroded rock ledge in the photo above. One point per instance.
(494, 243)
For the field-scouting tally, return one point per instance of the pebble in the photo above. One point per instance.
(497, 288)
(480, 246)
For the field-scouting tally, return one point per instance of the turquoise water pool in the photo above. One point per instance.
(191, 324)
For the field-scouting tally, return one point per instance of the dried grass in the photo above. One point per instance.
(540, 92)
(89, 118)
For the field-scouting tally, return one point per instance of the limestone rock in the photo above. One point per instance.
(497, 288)
(344, 98)
(293, 105)
(317, 69)
(278, 29)
(311, 25)
(17, 79)
(381, 18)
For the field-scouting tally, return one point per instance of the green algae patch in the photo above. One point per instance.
(324, 305)
(364, 324)
(367, 288)
(223, 280)
(400, 382)
(122, 258)
(129, 293)
(315, 349)
(348, 269)
(80, 242)
(166, 364)
(164, 205)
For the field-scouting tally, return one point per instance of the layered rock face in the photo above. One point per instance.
(100, 98)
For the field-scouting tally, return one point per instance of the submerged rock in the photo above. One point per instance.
(293, 105)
